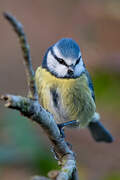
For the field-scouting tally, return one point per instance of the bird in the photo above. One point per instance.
(65, 89)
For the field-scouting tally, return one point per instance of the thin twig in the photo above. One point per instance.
(18, 28)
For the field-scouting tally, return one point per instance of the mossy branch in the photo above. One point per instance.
(30, 107)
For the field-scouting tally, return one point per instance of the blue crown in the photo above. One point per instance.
(68, 48)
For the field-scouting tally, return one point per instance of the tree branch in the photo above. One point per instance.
(31, 108)
(18, 28)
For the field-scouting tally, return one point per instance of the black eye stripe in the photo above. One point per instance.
(60, 60)
(78, 60)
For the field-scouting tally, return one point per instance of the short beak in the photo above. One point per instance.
(71, 70)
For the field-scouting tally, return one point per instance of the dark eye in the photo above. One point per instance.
(61, 61)
(78, 60)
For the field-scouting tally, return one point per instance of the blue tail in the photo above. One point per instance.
(99, 133)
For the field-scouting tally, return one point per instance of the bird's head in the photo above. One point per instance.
(64, 59)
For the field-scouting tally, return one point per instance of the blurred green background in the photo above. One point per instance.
(95, 25)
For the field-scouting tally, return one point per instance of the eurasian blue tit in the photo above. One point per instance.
(65, 89)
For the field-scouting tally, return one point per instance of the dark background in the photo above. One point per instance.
(95, 25)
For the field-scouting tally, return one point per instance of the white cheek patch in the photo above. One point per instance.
(61, 70)
(55, 67)
(50, 60)
(79, 68)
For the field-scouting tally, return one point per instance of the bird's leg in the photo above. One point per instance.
(69, 124)
(61, 129)
(61, 126)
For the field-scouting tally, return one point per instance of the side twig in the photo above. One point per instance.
(31, 108)
(18, 28)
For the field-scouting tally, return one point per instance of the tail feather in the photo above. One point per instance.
(99, 132)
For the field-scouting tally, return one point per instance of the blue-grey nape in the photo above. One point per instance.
(68, 48)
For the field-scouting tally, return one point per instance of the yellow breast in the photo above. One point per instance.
(74, 100)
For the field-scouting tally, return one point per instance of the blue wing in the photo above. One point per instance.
(90, 84)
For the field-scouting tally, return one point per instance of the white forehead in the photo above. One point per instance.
(69, 60)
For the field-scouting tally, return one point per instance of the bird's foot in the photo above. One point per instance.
(69, 124)
(61, 129)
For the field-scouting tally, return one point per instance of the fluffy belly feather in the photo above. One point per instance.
(66, 99)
